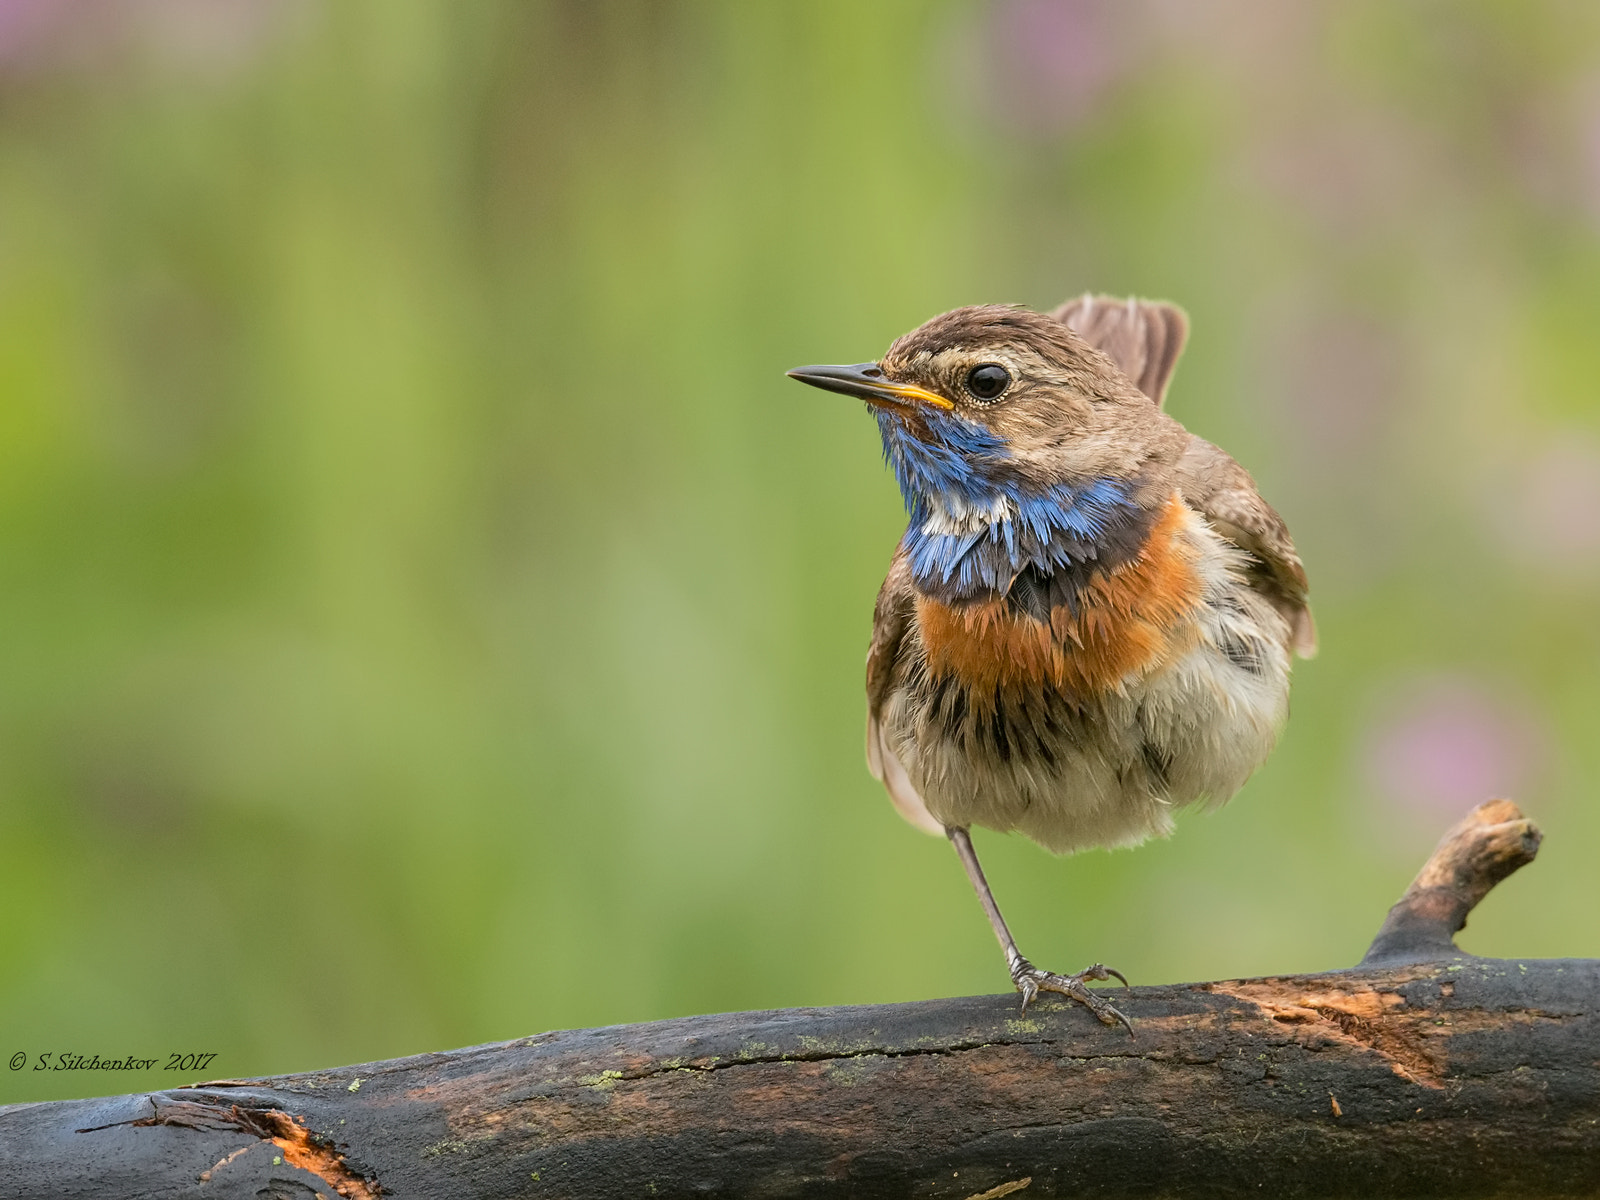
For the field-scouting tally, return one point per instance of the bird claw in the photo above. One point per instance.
(1030, 981)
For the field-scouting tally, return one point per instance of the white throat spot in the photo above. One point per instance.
(951, 516)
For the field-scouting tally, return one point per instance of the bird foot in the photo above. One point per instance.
(1030, 981)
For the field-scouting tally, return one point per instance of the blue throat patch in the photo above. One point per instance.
(1056, 531)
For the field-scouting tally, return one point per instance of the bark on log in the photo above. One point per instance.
(1451, 1075)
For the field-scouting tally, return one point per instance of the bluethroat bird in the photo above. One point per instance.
(1090, 618)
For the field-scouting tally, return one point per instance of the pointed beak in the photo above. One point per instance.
(868, 381)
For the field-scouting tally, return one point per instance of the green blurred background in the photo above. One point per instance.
(428, 615)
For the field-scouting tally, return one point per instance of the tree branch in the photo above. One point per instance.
(1423, 1072)
(1477, 852)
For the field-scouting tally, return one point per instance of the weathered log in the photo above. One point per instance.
(1453, 1075)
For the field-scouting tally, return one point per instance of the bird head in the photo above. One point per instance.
(990, 403)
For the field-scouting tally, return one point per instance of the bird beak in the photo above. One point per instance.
(868, 381)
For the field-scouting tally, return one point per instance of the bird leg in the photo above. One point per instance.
(1029, 979)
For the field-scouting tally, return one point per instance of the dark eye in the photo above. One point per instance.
(987, 380)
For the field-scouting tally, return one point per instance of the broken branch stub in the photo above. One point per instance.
(1477, 852)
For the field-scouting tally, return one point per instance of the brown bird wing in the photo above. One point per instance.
(891, 617)
(1223, 492)
(1143, 337)
(891, 620)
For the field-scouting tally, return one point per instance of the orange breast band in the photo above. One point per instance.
(1129, 620)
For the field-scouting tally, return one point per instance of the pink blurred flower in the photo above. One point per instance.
(1445, 744)
(26, 24)
(1587, 149)
(1049, 62)
(210, 36)
(1549, 519)
(1340, 379)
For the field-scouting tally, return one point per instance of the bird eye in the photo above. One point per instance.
(987, 380)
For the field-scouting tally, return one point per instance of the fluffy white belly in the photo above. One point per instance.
(1075, 772)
